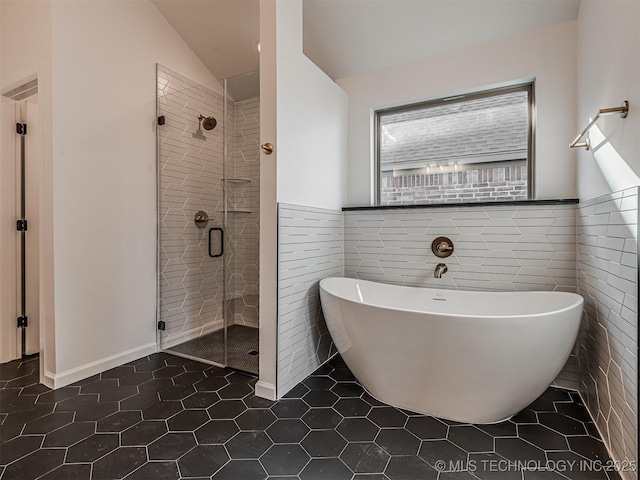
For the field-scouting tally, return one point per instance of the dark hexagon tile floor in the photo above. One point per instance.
(166, 417)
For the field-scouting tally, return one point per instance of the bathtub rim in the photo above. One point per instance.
(579, 300)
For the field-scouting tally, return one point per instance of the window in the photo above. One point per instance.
(466, 148)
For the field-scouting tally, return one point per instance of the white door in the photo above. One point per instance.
(10, 335)
(28, 154)
(32, 173)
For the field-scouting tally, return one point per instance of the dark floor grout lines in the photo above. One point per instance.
(194, 419)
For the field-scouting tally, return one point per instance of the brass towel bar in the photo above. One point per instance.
(623, 111)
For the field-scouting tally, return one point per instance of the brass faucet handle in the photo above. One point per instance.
(444, 247)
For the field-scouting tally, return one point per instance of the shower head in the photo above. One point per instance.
(208, 123)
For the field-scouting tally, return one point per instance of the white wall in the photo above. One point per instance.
(608, 73)
(268, 274)
(312, 121)
(104, 178)
(548, 54)
(304, 114)
(22, 54)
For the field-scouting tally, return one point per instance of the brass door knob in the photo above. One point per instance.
(267, 148)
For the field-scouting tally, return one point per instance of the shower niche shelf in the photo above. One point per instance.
(237, 181)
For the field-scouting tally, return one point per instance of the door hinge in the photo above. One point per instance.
(161, 120)
(21, 128)
(21, 225)
(161, 325)
(23, 321)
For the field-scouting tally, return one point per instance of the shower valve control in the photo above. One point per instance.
(201, 219)
(442, 247)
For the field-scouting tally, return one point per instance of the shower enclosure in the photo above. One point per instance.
(208, 218)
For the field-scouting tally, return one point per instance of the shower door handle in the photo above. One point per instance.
(211, 230)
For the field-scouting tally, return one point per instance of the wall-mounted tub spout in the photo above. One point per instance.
(441, 269)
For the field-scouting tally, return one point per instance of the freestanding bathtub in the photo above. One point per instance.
(472, 357)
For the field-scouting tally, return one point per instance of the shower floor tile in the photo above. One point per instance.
(240, 340)
(169, 417)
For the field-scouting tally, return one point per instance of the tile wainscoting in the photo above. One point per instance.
(607, 279)
(310, 248)
(499, 248)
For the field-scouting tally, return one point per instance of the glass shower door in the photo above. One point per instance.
(242, 201)
(191, 217)
(208, 218)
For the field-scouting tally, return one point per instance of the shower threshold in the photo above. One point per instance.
(242, 343)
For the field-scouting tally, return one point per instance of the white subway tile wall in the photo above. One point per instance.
(607, 279)
(190, 172)
(310, 248)
(497, 248)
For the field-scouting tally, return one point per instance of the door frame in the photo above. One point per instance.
(9, 333)
(13, 108)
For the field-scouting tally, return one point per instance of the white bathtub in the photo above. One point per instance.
(473, 357)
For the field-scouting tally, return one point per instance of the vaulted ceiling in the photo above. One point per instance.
(346, 37)
(222, 33)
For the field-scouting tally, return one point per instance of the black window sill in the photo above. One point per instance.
(516, 203)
